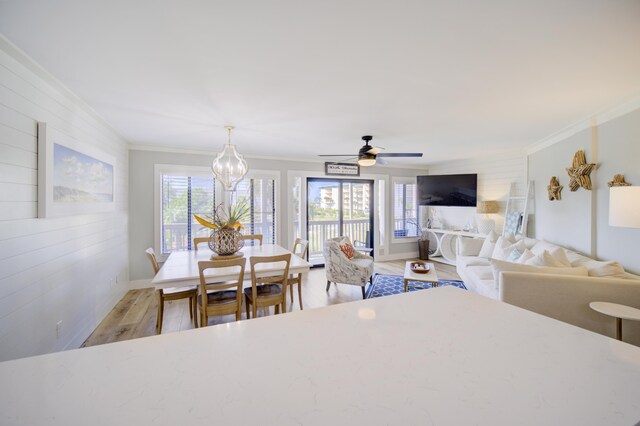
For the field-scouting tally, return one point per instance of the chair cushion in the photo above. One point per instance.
(219, 297)
(265, 290)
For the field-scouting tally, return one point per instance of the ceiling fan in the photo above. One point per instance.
(372, 155)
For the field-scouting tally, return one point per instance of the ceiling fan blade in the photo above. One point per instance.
(380, 161)
(375, 150)
(335, 155)
(399, 154)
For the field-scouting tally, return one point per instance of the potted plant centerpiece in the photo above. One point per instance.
(225, 224)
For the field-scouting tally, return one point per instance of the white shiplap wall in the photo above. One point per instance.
(495, 175)
(71, 269)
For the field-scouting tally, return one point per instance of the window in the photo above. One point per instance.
(260, 196)
(405, 223)
(182, 197)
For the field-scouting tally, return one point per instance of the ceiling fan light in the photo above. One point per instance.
(366, 162)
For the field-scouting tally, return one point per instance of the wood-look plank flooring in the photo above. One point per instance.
(135, 315)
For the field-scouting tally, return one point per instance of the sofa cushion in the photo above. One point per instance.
(480, 272)
(502, 266)
(466, 261)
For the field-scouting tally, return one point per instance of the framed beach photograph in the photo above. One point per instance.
(73, 178)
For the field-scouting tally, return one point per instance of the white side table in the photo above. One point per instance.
(619, 312)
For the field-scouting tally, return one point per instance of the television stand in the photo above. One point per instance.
(444, 242)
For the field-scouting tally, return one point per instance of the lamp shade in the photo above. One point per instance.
(624, 206)
(487, 207)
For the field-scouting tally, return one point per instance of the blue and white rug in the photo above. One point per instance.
(386, 285)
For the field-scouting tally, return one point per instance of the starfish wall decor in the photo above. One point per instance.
(554, 189)
(618, 180)
(580, 172)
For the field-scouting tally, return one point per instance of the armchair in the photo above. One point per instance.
(340, 269)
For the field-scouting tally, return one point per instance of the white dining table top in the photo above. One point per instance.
(442, 356)
(181, 268)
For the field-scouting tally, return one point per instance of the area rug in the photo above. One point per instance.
(386, 285)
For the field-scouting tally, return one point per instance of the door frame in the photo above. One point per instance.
(341, 182)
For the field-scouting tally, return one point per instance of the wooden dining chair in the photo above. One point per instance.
(172, 293)
(268, 291)
(201, 240)
(253, 237)
(221, 298)
(300, 248)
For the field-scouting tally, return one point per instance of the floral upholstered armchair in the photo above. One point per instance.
(339, 268)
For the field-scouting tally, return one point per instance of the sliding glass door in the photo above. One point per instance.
(338, 207)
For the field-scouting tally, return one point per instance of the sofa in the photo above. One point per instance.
(560, 292)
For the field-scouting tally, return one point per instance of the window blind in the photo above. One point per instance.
(405, 210)
(259, 195)
(182, 197)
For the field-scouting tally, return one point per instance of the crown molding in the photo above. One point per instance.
(174, 150)
(586, 123)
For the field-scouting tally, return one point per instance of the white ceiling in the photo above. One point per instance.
(451, 79)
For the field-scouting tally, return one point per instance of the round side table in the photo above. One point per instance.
(617, 311)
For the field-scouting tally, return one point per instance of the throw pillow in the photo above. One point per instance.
(504, 247)
(560, 256)
(526, 255)
(544, 259)
(499, 266)
(514, 256)
(487, 248)
(348, 250)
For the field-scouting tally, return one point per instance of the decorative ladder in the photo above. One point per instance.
(515, 219)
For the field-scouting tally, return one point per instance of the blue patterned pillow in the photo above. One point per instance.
(513, 256)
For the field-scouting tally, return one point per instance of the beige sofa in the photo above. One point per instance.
(565, 298)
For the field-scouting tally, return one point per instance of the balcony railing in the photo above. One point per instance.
(322, 230)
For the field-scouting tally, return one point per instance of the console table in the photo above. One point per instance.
(443, 243)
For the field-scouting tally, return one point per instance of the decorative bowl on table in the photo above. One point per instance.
(420, 267)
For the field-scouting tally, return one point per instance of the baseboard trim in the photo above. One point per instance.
(138, 284)
(398, 256)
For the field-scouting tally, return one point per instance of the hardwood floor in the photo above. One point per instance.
(135, 315)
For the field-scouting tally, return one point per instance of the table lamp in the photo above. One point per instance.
(486, 224)
(624, 206)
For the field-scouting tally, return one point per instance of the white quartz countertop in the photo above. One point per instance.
(441, 356)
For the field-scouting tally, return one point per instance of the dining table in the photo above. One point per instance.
(181, 267)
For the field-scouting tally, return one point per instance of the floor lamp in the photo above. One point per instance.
(486, 224)
(624, 206)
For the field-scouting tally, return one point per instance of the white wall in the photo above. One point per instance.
(141, 198)
(580, 219)
(60, 269)
(495, 175)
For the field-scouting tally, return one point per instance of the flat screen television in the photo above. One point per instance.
(448, 190)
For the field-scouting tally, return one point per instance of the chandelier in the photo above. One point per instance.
(229, 166)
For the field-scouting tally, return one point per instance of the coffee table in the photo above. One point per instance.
(429, 277)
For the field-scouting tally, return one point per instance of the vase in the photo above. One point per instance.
(225, 242)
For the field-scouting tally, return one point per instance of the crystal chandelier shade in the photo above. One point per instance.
(229, 167)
